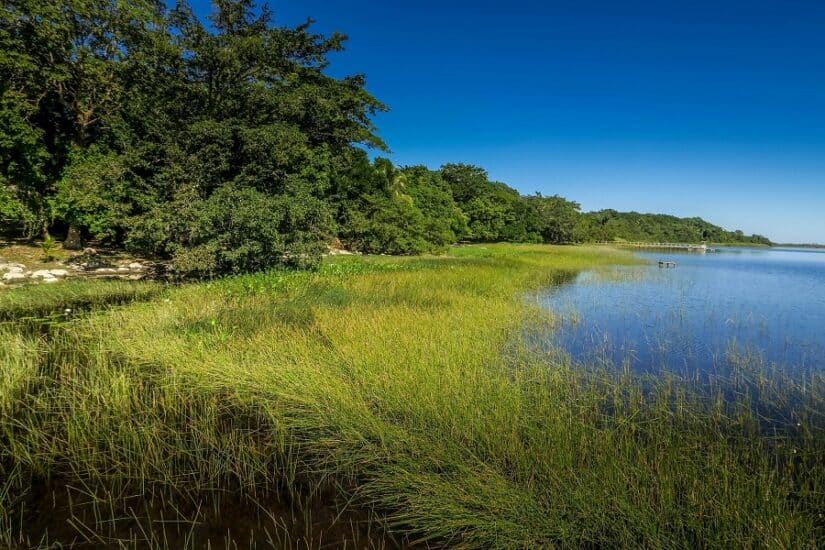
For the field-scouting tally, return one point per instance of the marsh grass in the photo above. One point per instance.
(389, 402)
(39, 301)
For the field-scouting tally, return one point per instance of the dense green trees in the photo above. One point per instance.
(212, 145)
(249, 152)
(556, 218)
(609, 225)
(62, 90)
(495, 212)
(227, 146)
(393, 210)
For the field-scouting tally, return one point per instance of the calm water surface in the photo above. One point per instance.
(766, 303)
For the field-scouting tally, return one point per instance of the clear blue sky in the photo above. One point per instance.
(708, 108)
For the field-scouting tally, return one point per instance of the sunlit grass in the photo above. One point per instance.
(403, 387)
(44, 300)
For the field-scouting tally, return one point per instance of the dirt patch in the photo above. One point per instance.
(31, 254)
(26, 262)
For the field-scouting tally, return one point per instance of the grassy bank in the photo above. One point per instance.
(35, 302)
(385, 402)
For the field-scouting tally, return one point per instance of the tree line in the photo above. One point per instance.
(609, 225)
(225, 146)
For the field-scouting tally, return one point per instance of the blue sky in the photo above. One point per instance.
(707, 108)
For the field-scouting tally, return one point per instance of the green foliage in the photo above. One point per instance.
(243, 184)
(13, 210)
(235, 229)
(137, 124)
(495, 212)
(444, 221)
(608, 225)
(47, 246)
(555, 218)
(210, 145)
(61, 85)
(97, 191)
(376, 213)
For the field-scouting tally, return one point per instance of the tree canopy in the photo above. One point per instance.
(609, 225)
(226, 146)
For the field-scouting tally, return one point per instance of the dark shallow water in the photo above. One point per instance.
(768, 304)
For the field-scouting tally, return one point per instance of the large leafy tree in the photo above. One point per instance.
(138, 123)
(444, 221)
(259, 119)
(60, 89)
(377, 213)
(556, 218)
(495, 211)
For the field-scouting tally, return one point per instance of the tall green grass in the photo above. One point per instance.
(39, 300)
(384, 402)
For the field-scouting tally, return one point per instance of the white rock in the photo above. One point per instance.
(58, 272)
(123, 270)
(14, 276)
(12, 268)
(137, 266)
(105, 271)
(41, 274)
(50, 280)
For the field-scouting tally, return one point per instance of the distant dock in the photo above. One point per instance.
(690, 247)
(666, 264)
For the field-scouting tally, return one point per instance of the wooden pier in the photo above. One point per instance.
(691, 247)
(666, 264)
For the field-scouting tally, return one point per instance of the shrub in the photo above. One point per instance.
(236, 229)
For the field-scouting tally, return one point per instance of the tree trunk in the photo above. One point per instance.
(73, 239)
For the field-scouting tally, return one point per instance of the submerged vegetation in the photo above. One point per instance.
(385, 402)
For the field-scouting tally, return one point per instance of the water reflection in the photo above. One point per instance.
(768, 304)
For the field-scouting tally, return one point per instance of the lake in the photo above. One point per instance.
(754, 304)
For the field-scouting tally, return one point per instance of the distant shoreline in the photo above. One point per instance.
(793, 245)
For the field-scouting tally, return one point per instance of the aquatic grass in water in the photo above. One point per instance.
(402, 404)
(684, 318)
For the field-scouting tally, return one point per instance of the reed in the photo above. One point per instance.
(388, 402)
(39, 300)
